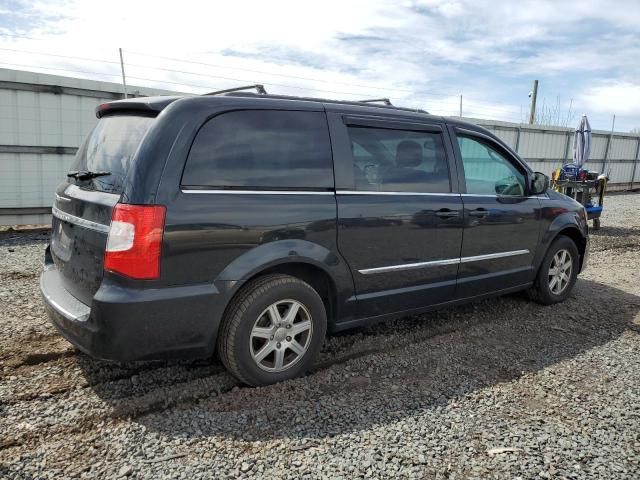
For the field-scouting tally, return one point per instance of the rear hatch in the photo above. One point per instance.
(84, 203)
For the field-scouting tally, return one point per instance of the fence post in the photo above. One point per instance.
(518, 138)
(566, 148)
(635, 164)
(606, 152)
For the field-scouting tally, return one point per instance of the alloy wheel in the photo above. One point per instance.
(560, 271)
(281, 335)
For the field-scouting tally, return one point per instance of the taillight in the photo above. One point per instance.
(135, 241)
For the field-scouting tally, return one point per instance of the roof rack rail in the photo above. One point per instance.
(258, 88)
(386, 101)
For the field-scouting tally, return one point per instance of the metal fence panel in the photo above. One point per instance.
(619, 171)
(29, 179)
(623, 148)
(542, 145)
(43, 119)
(507, 135)
(598, 147)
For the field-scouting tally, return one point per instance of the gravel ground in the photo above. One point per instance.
(498, 389)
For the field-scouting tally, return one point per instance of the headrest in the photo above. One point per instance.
(408, 154)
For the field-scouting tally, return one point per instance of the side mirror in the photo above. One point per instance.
(539, 183)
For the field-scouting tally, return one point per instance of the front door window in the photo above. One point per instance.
(488, 172)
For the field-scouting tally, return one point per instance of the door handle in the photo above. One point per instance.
(447, 213)
(479, 212)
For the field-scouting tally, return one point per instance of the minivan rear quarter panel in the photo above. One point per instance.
(227, 236)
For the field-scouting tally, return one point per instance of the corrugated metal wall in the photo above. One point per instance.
(547, 148)
(44, 118)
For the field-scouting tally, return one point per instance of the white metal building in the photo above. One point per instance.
(43, 120)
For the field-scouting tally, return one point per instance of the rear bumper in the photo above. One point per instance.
(125, 324)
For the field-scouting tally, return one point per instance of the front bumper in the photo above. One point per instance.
(125, 324)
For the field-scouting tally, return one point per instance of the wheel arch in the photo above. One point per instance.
(573, 232)
(319, 279)
(314, 264)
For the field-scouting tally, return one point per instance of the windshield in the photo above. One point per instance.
(109, 148)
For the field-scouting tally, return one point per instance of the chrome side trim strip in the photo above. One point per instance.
(373, 192)
(339, 192)
(409, 266)
(491, 256)
(501, 196)
(81, 222)
(438, 263)
(257, 192)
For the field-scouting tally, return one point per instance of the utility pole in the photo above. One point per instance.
(534, 96)
(460, 105)
(124, 81)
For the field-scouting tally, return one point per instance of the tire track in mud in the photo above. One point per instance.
(178, 394)
(118, 400)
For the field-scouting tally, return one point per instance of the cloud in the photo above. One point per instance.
(418, 52)
(620, 97)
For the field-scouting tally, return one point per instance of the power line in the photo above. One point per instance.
(442, 103)
(262, 72)
(129, 64)
(60, 69)
(45, 54)
(419, 94)
(168, 82)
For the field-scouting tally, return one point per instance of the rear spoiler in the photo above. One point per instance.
(144, 105)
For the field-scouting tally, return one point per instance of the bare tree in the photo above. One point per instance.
(554, 115)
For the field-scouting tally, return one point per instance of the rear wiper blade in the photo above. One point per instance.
(86, 175)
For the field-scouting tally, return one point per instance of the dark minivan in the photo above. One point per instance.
(250, 224)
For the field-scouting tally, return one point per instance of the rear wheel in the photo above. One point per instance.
(558, 272)
(273, 330)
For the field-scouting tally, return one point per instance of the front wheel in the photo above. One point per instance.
(558, 272)
(273, 330)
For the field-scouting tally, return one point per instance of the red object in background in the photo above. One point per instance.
(582, 175)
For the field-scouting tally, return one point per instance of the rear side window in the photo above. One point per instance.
(110, 147)
(389, 160)
(261, 149)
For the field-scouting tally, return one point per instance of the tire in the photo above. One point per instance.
(249, 329)
(545, 291)
(596, 224)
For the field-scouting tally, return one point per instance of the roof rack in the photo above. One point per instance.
(237, 93)
(258, 88)
(386, 101)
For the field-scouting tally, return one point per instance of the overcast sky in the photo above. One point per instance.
(423, 53)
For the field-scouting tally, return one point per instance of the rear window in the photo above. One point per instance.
(109, 148)
(261, 149)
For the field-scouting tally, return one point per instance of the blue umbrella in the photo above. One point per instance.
(582, 142)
